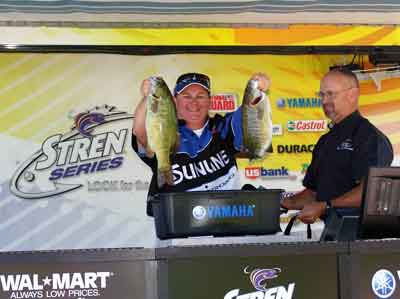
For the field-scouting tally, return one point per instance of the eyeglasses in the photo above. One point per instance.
(330, 94)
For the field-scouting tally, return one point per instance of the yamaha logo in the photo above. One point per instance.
(199, 212)
(383, 283)
(307, 102)
(281, 103)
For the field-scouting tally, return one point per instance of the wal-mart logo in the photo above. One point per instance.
(54, 281)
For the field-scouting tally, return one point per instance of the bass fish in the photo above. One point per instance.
(161, 127)
(256, 121)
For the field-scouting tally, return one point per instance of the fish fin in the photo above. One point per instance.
(164, 177)
(149, 152)
(245, 149)
(169, 179)
(270, 148)
(177, 143)
(257, 158)
(160, 179)
(253, 160)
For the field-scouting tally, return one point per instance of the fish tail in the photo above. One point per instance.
(164, 177)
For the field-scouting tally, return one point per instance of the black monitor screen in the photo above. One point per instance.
(380, 216)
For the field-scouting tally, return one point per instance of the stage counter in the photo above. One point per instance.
(302, 270)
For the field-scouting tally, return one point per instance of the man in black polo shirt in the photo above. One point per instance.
(342, 156)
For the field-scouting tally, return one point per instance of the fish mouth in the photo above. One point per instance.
(256, 100)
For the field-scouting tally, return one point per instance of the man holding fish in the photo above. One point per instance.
(186, 149)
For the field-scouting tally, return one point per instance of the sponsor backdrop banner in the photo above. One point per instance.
(69, 178)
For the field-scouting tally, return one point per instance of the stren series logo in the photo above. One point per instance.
(307, 125)
(55, 285)
(261, 279)
(90, 147)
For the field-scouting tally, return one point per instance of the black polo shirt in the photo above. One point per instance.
(342, 157)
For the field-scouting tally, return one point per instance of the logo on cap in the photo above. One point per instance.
(186, 80)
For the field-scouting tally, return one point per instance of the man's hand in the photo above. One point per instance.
(263, 80)
(145, 88)
(287, 203)
(312, 211)
(139, 126)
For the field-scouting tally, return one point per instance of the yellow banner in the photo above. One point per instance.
(292, 35)
(39, 92)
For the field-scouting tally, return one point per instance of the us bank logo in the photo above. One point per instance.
(254, 172)
(383, 283)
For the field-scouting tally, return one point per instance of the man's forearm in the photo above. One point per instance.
(139, 123)
(297, 201)
(351, 199)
